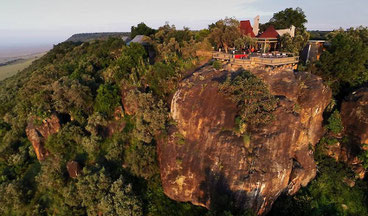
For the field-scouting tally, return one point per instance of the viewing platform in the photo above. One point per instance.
(254, 60)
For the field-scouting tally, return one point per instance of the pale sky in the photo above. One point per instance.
(35, 22)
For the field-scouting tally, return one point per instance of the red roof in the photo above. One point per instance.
(269, 33)
(246, 28)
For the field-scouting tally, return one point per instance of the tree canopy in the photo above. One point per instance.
(294, 44)
(225, 32)
(81, 85)
(286, 18)
(141, 29)
(345, 62)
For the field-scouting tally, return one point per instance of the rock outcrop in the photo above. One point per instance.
(203, 161)
(74, 169)
(39, 130)
(115, 125)
(354, 114)
(347, 153)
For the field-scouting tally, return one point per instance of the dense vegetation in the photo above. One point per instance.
(84, 83)
(285, 18)
(344, 65)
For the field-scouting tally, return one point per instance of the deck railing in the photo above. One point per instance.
(257, 60)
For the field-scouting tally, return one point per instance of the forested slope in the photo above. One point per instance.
(79, 86)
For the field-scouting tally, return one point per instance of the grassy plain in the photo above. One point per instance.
(11, 69)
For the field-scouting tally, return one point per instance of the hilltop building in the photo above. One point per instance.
(126, 39)
(267, 40)
(313, 50)
(141, 39)
(261, 54)
(246, 28)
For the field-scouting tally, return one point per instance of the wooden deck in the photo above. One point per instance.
(256, 60)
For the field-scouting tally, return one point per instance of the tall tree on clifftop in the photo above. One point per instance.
(286, 18)
(225, 32)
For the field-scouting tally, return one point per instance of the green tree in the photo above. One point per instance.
(286, 18)
(202, 34)
(100, 194)
(346, 59)
(296, 44)
(107, 99)
(253, 98)
(130, 65)
(244, 41)
(70, 96)
(225, 32)
(141, 29)
(150, 117)
(141, 160)
(335, 122)
(66, 143)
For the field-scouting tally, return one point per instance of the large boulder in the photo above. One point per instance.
(39, 130)
(203, 162)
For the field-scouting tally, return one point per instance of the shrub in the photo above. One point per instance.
(217, 65)
(253, 99)
(335, 122)
(70, 96)
(107, 99)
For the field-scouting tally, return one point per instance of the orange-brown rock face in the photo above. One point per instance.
(347, 153)
(203, 161)
(38, 133)
(74, 169)
(354, 114)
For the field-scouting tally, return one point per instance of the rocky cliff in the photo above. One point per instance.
(39, 130)
(354, 114)
(204, 162)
